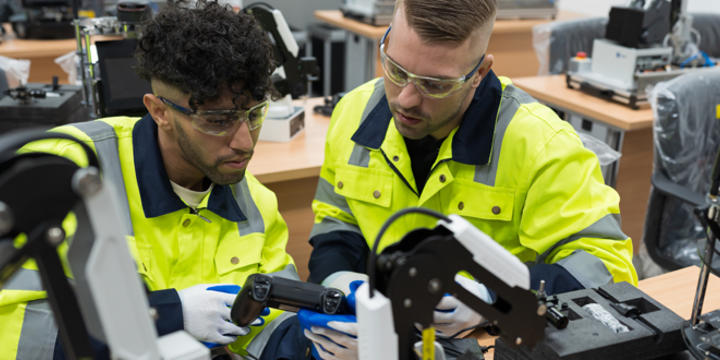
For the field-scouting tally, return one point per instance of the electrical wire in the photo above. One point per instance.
(372, 259)
(12, 142)
(259, 4)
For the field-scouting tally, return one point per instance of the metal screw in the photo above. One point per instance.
(434, 285)
(86, 181)
(541, 289)
(55, 235)
(6, 218)
(407, 303)
(518, 340)
(412, 271)
(542, 309)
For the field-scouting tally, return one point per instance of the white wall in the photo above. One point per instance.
(602, 7)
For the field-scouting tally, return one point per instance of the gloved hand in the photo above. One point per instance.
(451, 317)
(334, 337)
(206, 313)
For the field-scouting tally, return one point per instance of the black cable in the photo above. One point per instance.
(372, 259)
(12, 142)
(715, 178)
(259, 4)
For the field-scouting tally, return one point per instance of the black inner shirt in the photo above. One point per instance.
(423, 153)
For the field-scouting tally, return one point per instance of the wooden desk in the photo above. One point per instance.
(675, 290)
(291, 169)
(510, 44)
(41, 54)
(628, 131)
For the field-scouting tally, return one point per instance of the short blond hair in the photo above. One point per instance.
(447, 20)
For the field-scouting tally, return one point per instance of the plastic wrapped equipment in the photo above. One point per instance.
(555, 42)
(686, 140)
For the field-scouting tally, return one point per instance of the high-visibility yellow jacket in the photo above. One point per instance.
(236, 231)
(512, 168)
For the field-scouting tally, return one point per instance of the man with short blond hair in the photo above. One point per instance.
(440, 130)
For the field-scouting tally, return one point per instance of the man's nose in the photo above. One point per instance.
(409, 96)
(242, 140)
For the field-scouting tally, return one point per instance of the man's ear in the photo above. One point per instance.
(483, 70)
(158, 111)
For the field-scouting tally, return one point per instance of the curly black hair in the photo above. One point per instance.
(205, 48)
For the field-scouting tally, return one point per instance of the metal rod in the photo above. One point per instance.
(705, 271)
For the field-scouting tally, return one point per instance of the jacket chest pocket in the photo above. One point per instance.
(475, 200)
(367, 185)
(236, 258)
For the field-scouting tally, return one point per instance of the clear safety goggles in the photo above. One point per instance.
(430, 86)
(222, 122)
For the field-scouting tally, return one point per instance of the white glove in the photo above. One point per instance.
(335, 345)
(206, 315)
(451, 317)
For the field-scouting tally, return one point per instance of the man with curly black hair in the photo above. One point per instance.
(200, 225)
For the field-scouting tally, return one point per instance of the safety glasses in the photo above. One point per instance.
(222, 122)
(429, 86)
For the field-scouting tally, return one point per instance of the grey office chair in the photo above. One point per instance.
(3, 83)
(686, 140)
(555, 42)
(708, 26)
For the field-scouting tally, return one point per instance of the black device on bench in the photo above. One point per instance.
(262, 291)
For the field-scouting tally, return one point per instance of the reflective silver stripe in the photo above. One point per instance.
(25, 279)
(103, 136)
(329, 224)
(587, 269)
(605, 228)
(254, 222)
(512, 99)
(257, 344)
(360, 156)
(326, 193)
(39, 332)
(377, 95)
(289, 272)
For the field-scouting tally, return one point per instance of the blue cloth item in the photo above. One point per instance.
(309, 318)
(228, 289)
(557, 279)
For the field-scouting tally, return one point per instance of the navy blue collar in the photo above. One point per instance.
(472, 142)
(156, 193)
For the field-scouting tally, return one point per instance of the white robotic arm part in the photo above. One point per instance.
(410, 285)
(285, 33)
(377, 338)
(110, 282)
(488, 253)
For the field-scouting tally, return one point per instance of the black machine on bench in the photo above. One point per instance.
(635, 326)
(41, 105)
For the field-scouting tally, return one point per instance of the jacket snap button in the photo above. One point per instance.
(496, 210)
(461, 205)
(442, 178)
(340, 184)
(186, 223)
(376, 194)
(234, 260)
(396, 158)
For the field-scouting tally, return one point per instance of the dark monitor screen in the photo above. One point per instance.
(121, 89)
(38, 3)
